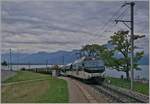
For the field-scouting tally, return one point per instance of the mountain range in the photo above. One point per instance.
(59, 57)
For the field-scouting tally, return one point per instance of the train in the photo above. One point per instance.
(89, 69)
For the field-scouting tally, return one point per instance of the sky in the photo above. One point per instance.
(50, 26)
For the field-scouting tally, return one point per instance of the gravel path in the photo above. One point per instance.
(5, 74)
(83, 93)
(75, 93)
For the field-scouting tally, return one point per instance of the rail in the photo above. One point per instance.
(121, 95)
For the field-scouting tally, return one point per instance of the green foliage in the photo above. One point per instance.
(4, 63)
(121, 44)
(55, 67)
(139, 87)
(91, 50)
(99, 51)
(23, 69)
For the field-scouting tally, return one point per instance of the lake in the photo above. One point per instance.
(18, 67)
(144, 73)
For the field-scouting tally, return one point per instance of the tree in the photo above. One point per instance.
(121, 44)
(55, 67)
(106, 55)
(100, 51)
(90, 50)
(4, 63)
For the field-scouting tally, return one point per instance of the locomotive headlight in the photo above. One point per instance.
(93, 58)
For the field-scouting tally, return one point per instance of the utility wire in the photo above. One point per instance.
(106, 24)
(120, 16)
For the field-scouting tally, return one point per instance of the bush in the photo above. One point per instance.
(23, 69)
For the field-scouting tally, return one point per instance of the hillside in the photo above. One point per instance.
(58, 57)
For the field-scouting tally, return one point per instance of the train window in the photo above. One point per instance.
(95, 63)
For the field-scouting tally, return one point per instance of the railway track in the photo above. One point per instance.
(87, 95)
(118, 96)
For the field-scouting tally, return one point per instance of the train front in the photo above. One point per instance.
(95, 67)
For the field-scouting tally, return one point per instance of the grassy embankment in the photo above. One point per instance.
(47, 90)
(138, 87)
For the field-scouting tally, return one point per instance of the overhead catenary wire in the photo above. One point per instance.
(115, 13)
(120, 16)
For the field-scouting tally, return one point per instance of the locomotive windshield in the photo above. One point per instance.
(93, 63)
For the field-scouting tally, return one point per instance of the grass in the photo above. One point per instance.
(50, 90)
(138, 87)
(57, 92)
(26, 75)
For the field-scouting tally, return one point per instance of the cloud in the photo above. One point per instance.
(33, 26)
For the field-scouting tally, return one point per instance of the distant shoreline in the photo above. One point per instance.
(32, 64)
(45, 64)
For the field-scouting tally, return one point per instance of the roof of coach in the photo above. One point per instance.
(91, 58)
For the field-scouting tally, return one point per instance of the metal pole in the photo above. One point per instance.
(29, 65)
(132, 43)
(46, 63)
(131, 39)
(63, 60)
(18, 59)
(10, 61)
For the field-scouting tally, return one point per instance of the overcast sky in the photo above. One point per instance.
(32, 26)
